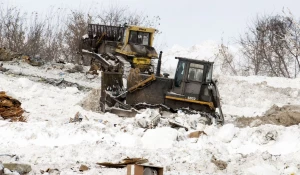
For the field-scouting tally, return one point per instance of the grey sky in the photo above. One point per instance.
(185, 22)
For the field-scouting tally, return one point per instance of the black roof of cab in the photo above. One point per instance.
(194, 61)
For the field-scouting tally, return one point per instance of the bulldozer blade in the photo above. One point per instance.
(122, 112)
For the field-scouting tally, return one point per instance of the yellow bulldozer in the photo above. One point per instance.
(116, 48)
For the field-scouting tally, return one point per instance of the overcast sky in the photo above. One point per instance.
(184, 22)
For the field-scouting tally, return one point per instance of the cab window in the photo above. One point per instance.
(196, 72)
(140, 38)
(179, 73)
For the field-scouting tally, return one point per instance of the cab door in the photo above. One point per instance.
(194, 79)
(180, 76)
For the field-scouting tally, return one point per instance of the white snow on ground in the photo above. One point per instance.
(46, 71)
(252, 96)
(47, 140)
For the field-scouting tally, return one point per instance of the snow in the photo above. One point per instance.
(48, 140)
(226, 133)
(159, 138)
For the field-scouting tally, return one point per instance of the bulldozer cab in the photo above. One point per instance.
(139, 36)
(192, 78)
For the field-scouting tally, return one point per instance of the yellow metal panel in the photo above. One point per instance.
(133, 53)
(142, 29)
(141, 60)
(210, 104)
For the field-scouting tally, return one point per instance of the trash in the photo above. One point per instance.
(20, 168)
(51, 171)
(2, 69)
(10, 108)
(124, 162)
(78, 118)
(196, 134)
(35, 61)
(93, 70)
(144, 169)
(61, 74)
(83, 168)
(175, 124)
(76, 68)
(148, 119)
(219, 163)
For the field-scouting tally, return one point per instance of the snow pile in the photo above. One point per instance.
(207, 51)
(252, 96)
(204, 51)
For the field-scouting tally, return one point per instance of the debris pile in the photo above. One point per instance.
(124, 162)
(16, 168)
(78, 118)
(2, 69)
(33, 61)
(286, 115)
(10, 108)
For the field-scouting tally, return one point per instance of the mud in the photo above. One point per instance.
(286, 116)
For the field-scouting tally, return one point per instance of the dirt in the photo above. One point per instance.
(286, 116)
(91, 101)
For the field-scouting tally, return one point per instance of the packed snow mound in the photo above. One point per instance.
(252, 96)
(206, 51)
(287, 115)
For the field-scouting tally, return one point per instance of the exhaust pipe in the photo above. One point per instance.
(159, 64)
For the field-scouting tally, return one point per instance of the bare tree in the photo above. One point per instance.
(76, 27)
(266, 47)
(226, 59)
(12, 28)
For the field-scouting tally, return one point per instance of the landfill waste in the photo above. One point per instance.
(83, 168)
(286, 115)
(51, 171)
(196, 134)
(10, 108)
(76, 68)
(35, 61)
(2, 69)
(78, 118)
(222, 165)
(123, 163)
(148, 119)
(20, 168)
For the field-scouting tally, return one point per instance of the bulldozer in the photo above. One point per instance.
(128, 83)
(192, 90)
(119, 48)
